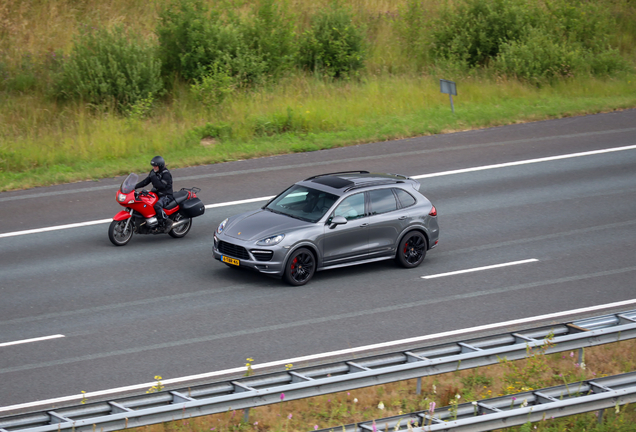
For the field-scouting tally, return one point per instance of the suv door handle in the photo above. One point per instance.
(402, 217)
(364, 225)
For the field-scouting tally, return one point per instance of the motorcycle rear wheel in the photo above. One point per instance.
(181, 230)
(118, 234)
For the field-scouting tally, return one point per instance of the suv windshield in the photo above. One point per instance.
(303, 203)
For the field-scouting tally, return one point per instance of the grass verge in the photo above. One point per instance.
(56, 144)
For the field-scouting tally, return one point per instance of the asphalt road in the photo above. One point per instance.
(163, 306)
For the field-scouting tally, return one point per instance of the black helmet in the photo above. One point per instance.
(158, 162)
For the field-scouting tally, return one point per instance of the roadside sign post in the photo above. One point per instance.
(449, 87)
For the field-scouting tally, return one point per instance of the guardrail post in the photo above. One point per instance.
(418, 390)
(599, 416)
(581, 356)
(246, 415)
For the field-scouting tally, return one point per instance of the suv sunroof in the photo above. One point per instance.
(334, 182)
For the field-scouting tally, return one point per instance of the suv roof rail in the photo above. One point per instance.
(373, 183)
(340, 172)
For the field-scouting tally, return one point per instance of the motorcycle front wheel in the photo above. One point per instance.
(181, 230)
(118, 234)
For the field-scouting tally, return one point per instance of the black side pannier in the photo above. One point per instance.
(192, 208)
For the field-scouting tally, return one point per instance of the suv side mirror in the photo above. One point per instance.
(337, 220)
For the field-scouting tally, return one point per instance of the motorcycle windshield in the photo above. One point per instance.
(128, 185)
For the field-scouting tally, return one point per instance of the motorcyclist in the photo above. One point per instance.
(161, 180)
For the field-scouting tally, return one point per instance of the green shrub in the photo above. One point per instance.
(334, 45)
(212, 88)
(184, 33)
(270, 32)
(607, 63)
(110, 67)
(580, 22)
(473, 31)
(534, 41)
(193, 40)
(539, 57)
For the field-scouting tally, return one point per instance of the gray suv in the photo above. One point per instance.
(329, 221)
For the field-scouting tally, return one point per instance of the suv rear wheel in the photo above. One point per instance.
(412, 249)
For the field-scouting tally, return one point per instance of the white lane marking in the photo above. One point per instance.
(231, 203)
(38, 339)
(56, 228)
(297, 360)
(525, 162)
(439, 174)
(480, 268)
(103, 221)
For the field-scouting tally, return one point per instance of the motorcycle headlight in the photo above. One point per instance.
(221, 226)
(271, 241)
(121, 197)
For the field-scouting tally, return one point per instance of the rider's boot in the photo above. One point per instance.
(166, 221)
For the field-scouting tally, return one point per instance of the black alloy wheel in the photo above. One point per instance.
(300, 267)
(412, 249)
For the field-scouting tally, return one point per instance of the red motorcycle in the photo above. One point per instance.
(140, 218)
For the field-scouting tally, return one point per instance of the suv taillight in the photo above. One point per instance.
(433, 212)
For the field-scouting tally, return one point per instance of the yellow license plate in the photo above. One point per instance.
(230, 260)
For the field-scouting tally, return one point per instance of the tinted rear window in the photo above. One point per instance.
(406, 199)
(382, 201)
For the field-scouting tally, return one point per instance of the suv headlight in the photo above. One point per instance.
(221, 226)
(271, 241)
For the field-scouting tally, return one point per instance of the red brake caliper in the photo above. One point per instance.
(294, 262)
(406, 246)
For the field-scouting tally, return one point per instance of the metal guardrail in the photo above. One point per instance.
(511, 410)
(301, 383)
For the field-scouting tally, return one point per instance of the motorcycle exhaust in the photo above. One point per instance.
(178, 224)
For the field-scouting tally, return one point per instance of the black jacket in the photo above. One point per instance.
(161, 182)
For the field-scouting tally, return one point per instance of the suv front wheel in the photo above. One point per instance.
(412, 249)
(300, 267)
